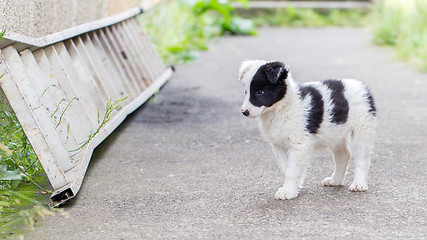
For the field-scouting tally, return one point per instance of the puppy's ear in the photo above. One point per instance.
(276, 72)
(246, 65)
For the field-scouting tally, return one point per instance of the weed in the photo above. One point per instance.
(402, 24)
(63, 112)
(3, 32)
(109, 109)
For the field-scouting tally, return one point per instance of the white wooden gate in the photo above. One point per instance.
(59, 87)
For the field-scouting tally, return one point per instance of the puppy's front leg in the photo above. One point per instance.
(296, 166)
(281, 157)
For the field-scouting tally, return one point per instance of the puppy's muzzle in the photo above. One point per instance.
(246, 112)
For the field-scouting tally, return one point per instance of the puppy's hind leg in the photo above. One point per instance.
(341, 157)
(363, 138)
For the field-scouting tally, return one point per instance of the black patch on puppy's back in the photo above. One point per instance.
(340, 107)
(315, 114)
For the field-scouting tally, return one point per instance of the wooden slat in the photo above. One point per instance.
(47, 94)
(77, 83)
(106, 93)
(97, 94)
(117, 64)
(51, 70)
(115, 78)
(150, 58)
(43, 76)
(155, 60)
(80, 109)
(129, 70)
(126, 54)
(101, 71)
(132, 56)
(136, 53)
(140, 52)
(40, 130)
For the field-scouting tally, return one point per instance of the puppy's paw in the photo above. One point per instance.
(358, 187)
(330, 182)
(285, 194)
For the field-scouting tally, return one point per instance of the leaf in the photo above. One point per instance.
(5, 149)
(14, 184)
(242, 26)
(10, 174)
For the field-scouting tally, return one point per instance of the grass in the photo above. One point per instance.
(296, 17)
(402, 25)
(180, 29)
(22, 208)
(22, 197)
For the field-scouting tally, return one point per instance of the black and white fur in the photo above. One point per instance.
(297, 119)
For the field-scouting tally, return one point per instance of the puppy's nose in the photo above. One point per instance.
(246, 112)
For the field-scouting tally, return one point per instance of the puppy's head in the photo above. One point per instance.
(264, 83)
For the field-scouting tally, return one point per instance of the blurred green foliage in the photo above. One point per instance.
(305, 17)
(223, 12)
(402, 24)
(179, 29)
(21, 197)
(2, 33)
(18, 161)
(20, 209)
(17, 158)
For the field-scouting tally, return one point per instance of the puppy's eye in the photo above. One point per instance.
(260, 92)
(246, 92)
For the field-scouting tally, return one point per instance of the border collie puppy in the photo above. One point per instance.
(297, 119)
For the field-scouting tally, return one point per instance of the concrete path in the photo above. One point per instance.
(188, 165)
